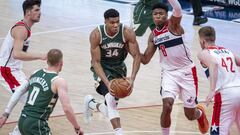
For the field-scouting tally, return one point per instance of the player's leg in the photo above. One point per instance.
(169, 91)
(91, 104)
(223, 114)
(109, 108)
(32, 126)
(189, 86)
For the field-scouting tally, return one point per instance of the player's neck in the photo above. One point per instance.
(53, 69)
(109, 33)
(28, 22)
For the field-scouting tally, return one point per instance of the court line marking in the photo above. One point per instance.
(127, 132)
(122, 108)
(65, 29)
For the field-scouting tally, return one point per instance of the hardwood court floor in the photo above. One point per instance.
(142, 120)
(66, 26)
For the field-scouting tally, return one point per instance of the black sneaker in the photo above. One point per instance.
(200, 20)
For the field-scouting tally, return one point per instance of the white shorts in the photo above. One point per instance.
(182, 82)
(226, 110)
(11, 79)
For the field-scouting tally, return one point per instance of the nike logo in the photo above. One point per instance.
(104, 38)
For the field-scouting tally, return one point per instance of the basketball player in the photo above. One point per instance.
(179, 75)
(224, 82)
(14, 49)
(110, 44)
(45, 86)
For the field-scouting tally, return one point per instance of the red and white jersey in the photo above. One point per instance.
(6, 57)
(228, 75)
(174, 54)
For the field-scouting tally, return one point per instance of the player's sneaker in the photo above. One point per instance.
(88, 112)
(203, 123)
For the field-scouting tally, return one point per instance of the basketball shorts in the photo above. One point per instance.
(11, 79)
(33, 126)
(183, 83)
(226, 111)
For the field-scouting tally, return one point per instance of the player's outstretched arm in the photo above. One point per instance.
(175, 20)
(12, 102)
(60, 85)
(19, 34)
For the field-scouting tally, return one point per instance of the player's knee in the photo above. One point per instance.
(190, 114)
(167, 108)
(167, 105)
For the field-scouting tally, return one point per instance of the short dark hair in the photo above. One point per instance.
(111, 13)
(208, 33)
(28, 4)
(160, 5)
(54, 56)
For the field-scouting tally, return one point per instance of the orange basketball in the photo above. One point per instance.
(120, 87)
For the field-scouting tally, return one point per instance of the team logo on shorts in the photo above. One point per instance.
(190, 100)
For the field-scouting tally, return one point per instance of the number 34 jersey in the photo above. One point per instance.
(174, 54)
(113, 48)
(228, 74)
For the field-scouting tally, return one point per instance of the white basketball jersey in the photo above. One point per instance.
(228, 75)
(6, 57)
(174, 54)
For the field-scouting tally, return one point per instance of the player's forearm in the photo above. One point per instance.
(15, 97)
(71, 117)
(213, 71)
(136, 65)
(177, 9)
(26, 56)
(99, 70)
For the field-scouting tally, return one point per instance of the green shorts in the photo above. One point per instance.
(33, 126)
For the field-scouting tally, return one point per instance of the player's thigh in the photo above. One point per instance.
(32, 126)
(169, 87)
(189, 88)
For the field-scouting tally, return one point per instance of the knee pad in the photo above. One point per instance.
(111, 106)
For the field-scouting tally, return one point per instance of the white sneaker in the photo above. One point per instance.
(87, 113)
(15, 131)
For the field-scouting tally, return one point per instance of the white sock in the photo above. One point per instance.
(118, 131)
(93, 105)
(200, 112)
(103, 109)
(165, 131)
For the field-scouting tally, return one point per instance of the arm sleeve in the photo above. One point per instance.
(177, 9)
(16, 96)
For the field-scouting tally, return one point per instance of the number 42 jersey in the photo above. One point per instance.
(228, 75)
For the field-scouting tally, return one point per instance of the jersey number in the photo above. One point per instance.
(162, 47)
(228, 63)
(33, 95)
(111, 53)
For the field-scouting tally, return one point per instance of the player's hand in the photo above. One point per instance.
(43, 57)
(3, 120)
(131, 82)
(209, 97)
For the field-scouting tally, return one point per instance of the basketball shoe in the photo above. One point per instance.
(88, 112)
(203, 123)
